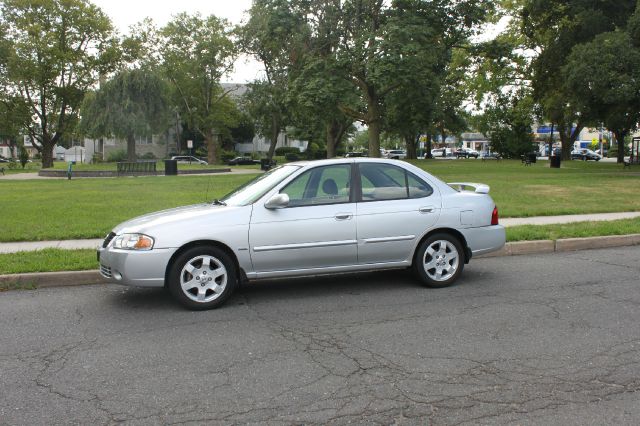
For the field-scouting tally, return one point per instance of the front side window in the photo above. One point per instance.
(320, 186)
(386, 182)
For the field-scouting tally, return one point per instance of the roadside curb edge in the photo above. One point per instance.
(75, 278)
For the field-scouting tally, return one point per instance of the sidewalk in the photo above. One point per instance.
(507, 222)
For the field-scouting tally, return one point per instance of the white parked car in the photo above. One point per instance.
(188, 159)
(438, 152)
(397, 154)
(308, 218)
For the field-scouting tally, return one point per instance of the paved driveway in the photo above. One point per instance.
(549, 339)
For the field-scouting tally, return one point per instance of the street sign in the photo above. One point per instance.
(189, 144)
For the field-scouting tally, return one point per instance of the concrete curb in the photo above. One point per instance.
(74, 278)
(53, 279)
(564, 245)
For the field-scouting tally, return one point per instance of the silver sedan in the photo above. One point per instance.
(307, 218)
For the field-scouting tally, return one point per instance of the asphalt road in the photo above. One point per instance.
(548, 339)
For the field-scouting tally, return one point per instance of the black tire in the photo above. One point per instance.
(206, 263)
(454, 258)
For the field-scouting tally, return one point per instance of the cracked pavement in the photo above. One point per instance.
(545, 339)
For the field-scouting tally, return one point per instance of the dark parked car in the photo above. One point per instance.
(466, 153)
(585, 154)
(242, 161)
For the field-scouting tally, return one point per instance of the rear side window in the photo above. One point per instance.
(386, 182)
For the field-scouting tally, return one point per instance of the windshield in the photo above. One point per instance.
(256, 188)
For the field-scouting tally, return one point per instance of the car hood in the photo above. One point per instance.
(183, 214)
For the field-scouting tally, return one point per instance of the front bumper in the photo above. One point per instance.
(134, 268)
(485, 239)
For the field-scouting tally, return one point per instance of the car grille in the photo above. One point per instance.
(105, 271)
(108, 239)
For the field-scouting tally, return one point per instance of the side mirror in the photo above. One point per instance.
(278, 201)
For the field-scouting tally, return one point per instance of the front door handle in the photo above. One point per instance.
(343, 216)
(426, 209)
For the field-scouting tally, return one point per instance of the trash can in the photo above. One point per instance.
(170, 167)
(532, 157)
(554, 162)
(266, 164)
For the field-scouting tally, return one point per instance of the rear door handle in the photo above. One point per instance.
(426, 209)
(343, 216)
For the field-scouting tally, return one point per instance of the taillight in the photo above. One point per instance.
(494, 216)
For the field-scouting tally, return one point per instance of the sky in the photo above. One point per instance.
(124, 13)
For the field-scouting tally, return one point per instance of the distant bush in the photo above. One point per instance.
(148, 156)
(291, 156)
(227, 155)
(284, 150)
(120, 155)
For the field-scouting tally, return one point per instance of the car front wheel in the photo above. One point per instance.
(439, 260)
(202, 278)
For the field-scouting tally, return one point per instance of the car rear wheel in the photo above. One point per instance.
(439, 260)
(202, 278)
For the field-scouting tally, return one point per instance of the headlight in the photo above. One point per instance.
(133, 242)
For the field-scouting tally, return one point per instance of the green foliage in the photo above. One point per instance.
(196, 52)
(58, 48)
(119, 155)
(284, 150)
(132, 104)
(23, 155)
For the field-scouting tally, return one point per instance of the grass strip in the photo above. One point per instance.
(573, 230)
(47, 260)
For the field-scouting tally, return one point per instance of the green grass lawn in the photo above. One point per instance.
(42, 209)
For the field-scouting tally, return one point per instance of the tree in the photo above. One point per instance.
(611, 85)
(272, 36)
(132, 104)
(553, 28)
(384, 46)
(196, 52)
(59, 48)
(508, 122)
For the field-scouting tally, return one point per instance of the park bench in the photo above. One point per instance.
(135, 168)
(631, 161)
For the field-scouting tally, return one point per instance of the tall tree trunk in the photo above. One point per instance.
(47, 155)
(331, 139)
(275, 132)
(411, 146)
(620, 135)
(131, 147)
(551, 142)
(212, 146)
(429, 145)
(374, 123)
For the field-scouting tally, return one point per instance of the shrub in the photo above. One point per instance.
(284, 150)
(148, 156)
(120, 155)
(227, 155)
(291, 156)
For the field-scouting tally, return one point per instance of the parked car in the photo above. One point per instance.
(307, 218)
(188, 159)
(354, 154)
(6, 160)
(397, 154)
(242, 161)
(437, 152)
(585, 154)
(491, 156)
(466, 153)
